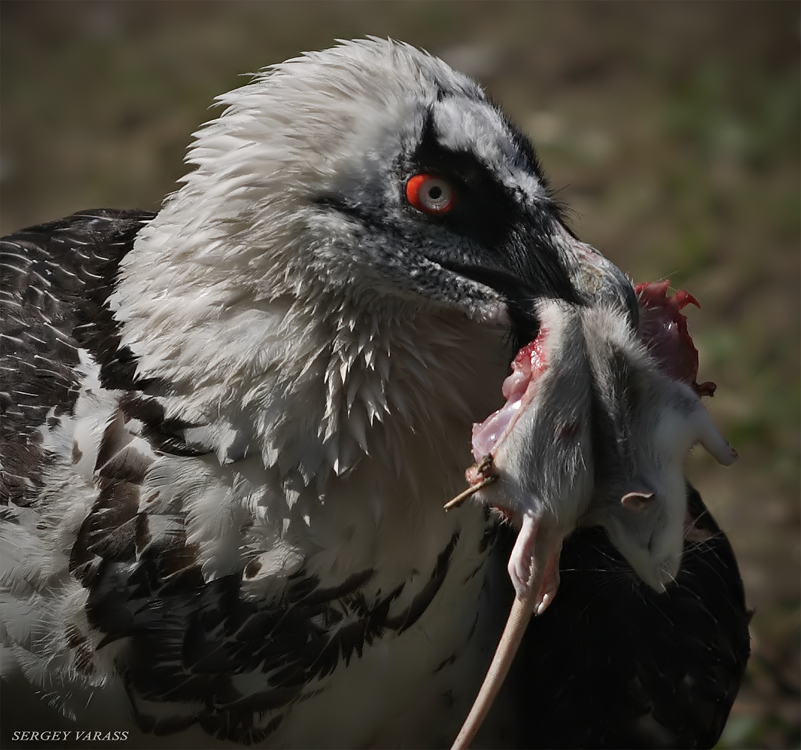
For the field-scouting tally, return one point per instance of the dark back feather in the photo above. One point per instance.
(54, 282)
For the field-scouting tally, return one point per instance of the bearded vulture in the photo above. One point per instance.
(229, 428)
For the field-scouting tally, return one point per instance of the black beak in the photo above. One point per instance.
(596, 278)
(555, 265)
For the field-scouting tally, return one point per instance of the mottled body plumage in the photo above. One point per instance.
(223, 487)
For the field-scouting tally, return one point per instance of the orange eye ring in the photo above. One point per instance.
(429, 194)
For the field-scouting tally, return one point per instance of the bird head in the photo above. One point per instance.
(372, 171)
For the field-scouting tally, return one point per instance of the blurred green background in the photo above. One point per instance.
(671, 130)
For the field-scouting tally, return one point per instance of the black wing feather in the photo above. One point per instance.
(54, 282)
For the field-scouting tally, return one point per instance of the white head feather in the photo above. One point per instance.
(247, 298)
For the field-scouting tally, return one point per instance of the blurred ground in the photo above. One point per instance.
(671, 130)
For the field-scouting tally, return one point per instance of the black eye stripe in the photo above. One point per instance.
(485, 210)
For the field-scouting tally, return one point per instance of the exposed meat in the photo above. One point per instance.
(518, 390)
(663, 329)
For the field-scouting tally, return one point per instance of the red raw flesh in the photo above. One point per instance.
(663, 329)
(518, 389)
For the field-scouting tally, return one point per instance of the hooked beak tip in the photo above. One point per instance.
(598, 279)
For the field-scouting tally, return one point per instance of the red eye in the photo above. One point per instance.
(429, 194)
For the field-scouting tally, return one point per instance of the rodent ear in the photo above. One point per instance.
(636, 501)
(639, 496)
